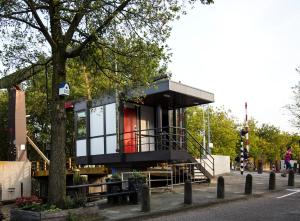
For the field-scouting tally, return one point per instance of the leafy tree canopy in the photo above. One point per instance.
(62, 30)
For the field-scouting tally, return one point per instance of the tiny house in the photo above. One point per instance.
(137, 133)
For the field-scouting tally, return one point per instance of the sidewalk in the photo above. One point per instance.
(204, 195)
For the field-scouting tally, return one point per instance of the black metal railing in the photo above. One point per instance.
(167, 138)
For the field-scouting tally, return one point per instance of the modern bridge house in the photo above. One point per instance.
(127, 133)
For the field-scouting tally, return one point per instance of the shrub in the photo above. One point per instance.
(34, 203)
(69, 203)
(27, 201)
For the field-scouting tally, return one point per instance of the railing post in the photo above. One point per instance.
(171, 179)
(149, 180)
(70, 163)
(45, 165)
(37, 166)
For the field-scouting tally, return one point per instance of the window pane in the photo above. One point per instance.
(111, 144)
(96, 121)
(97, 146)
(80, 148)
(81, 124)
(110, 112)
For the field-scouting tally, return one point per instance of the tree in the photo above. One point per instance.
(63, 30)
(294, 108)
(224, 134)
(3, 126)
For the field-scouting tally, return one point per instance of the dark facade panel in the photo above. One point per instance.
(82, 160)
(105, 159)
(103, 100)
(82, 105)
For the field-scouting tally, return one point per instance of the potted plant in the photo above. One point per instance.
(135, 183)
(113, 185)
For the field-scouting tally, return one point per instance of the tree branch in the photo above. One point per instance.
(21, 20)
(76, 51)
(75, 22)
(43, 29)
(22, 75)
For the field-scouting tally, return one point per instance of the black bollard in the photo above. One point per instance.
(295, 168)
(220, 188)
(133, 196)
(272, 181)
(145, 199)
(260, 167)
(248, 184)
(188, 196)
(291, 180)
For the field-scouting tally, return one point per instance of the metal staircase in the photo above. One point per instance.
(199, 164)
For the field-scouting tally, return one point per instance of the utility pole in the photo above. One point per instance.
(208, 132)
(203, 133)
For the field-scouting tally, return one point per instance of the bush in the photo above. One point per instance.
(27, 201)
(70, 203)
(33, 203)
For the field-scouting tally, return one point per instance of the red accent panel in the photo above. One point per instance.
(69, 105)
(129, 130)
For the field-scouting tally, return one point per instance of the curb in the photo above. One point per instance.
(195, 206)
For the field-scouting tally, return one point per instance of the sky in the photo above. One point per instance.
(242, 51)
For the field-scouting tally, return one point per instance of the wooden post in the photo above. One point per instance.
(37, 166)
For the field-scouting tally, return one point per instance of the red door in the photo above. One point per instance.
(129, 130)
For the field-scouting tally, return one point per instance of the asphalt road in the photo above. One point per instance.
(279, 206)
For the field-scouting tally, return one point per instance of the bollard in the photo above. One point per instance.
(133, 196)
(272, 181)
(291, 180)
(248, 184)
(220, 188)
(145, 199)
(260, 167)
(188, 196)
(295, 168)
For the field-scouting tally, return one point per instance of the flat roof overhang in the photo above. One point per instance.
(169, 94)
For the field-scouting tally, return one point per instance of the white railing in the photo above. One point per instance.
(165, 176)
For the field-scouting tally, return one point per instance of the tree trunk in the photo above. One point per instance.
(57, 174)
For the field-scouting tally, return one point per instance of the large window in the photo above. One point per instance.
(103, 129)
